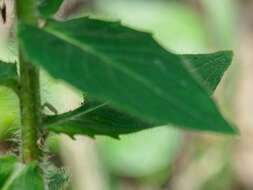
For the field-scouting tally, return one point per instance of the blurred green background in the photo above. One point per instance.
(163, 158)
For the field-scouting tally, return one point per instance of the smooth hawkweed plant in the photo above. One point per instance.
(131, 83)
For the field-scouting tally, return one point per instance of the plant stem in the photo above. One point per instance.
(26, 11)
(30, 109)
(29, 90)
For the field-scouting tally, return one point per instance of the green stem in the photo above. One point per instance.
(29, 90)
(30, 109)
(26, 11)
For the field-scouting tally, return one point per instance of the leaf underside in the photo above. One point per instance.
(102, 120)
(128, 69)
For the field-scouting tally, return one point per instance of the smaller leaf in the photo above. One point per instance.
(210, 67)
(7, 166)
(15, 175)
(28, 178)
(49, 7)
(8, 73)
(94, 118)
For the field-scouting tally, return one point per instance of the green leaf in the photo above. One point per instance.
(7, 167)
(94, 118)
(210, 67)
(48, 7)
(14, 175)
(28, 178)
(125, 67)
(8, 73)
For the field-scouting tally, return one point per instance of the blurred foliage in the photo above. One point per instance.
(175, 25)
(222, 17)
(221, 180)
(9, 113)
(140, 154)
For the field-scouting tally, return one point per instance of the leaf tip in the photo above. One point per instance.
(231, 130)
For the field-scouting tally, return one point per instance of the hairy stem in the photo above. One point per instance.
(30, 109)
(29, 90)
